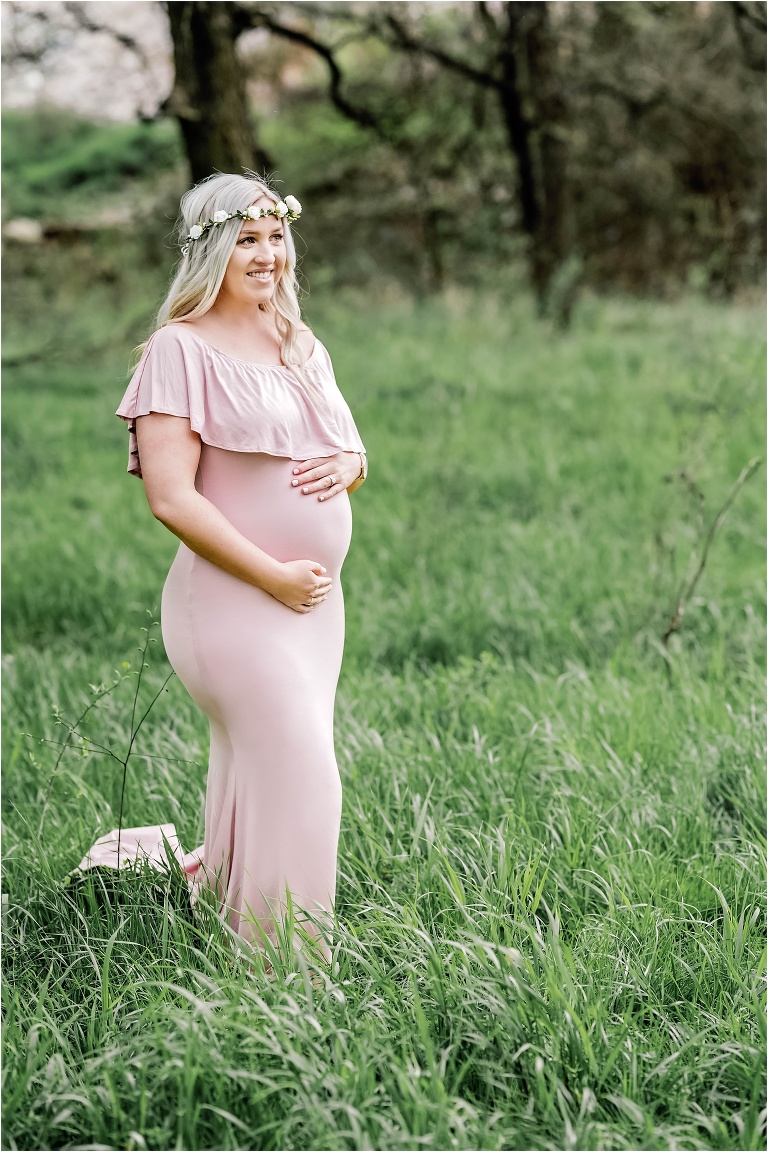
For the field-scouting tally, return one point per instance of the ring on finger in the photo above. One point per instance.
(332, 481)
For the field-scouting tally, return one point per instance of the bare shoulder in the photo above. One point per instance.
(305, 339)
(169, 334)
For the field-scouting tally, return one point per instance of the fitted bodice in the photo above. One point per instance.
(236, 405)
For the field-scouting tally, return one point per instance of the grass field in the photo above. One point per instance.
(551, 928)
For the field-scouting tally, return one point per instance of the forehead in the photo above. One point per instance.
(261, 201)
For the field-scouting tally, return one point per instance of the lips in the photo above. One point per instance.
(262, 276)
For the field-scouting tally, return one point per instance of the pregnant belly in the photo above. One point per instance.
(253, 490)
(231, 642)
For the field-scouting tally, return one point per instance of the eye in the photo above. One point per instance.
(245, 239)
(277, 235)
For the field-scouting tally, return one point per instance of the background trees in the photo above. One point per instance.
(563, 145)
(208, 97)
(611, 143)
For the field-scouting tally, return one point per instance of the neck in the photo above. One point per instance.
(241, 316)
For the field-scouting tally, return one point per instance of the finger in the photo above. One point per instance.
(304, 465)
(317, 597)
(314, 482)
(302, 470)
(332, 491)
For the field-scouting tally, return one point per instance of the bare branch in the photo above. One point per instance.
(387, 28)
(752, 14)
(88, 24)
(404, 40)
(15, 52)
(488, 20)
(259, 17)
(750, 21)
(676, 617)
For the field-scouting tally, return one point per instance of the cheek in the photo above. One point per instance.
(236, 264)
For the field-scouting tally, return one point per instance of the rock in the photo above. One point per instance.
(23, 230)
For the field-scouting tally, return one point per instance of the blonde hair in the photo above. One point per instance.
(200, 271)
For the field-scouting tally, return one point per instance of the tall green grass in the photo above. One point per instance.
(551, 928)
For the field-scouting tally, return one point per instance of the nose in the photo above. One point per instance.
(261, 253)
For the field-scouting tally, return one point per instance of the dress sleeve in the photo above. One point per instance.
(165, 380)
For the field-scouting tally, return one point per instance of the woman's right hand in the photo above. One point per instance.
(298, 581)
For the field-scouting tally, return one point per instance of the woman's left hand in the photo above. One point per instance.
(316, 475)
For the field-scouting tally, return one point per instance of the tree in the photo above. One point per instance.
(515, 59)
(208, 97)
(620, 124)
(616, 143)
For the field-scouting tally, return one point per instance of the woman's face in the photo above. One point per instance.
(257, 261)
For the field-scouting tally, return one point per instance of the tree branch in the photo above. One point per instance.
(400, 37)
(404, 40)
(88, 24)
(688, 586)
(258, 17)
(487, 18)
(750, 21)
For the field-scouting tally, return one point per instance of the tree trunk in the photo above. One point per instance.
(208, 97)
(535, 116)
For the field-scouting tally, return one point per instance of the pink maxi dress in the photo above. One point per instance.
(264, 675)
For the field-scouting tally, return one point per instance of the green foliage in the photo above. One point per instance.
(663, 123)
(550, 907)
(668, 146)
(51, 152)
(313, 136)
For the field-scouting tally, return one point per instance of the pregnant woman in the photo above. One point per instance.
(248, 453)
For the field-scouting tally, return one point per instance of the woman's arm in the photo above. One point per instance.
(170, 452)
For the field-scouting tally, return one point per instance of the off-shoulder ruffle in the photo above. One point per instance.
(236, 405)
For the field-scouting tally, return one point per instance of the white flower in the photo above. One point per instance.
(220, 217)
(195, 232)
(293, 205)
(254, 211)
(281, 208)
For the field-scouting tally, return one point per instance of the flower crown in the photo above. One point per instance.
(288, 209)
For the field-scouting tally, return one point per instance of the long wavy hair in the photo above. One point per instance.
(200, 272)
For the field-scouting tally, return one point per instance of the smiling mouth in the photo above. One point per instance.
(262, 276)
